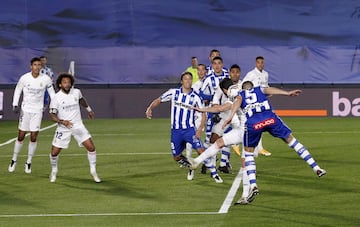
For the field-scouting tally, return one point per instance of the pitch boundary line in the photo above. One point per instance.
(105, 214)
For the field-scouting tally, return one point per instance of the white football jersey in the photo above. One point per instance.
(67, 106)
(33, 90)
(257, 78)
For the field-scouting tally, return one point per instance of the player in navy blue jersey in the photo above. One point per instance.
(183, 100)
(260, 118)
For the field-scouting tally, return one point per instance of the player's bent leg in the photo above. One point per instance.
(303, 153)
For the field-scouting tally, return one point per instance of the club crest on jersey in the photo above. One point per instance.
(264, 123)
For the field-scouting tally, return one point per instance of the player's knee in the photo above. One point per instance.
(220, 142)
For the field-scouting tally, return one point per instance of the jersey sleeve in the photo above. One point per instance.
(54, 104)
(17, 92)
(166, 96)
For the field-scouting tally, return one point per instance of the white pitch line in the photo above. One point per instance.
(105, 214)
(231, 194)
(27, 134)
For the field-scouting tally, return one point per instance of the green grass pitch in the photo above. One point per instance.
(143, 186)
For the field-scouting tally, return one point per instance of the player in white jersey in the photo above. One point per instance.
(65, 110)
(259, 77)
(217, 130)
(32, 86)
(183, 100)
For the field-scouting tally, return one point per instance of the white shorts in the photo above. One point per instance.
(30, 122)
(233, 137)
(63, 135)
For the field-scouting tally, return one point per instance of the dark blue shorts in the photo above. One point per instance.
(179, 138)
(269, 122)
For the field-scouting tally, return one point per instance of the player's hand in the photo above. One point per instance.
(16, 109)
(91, 115)
(227, 121)
(294, 92)
(67, 124)
(148, 113)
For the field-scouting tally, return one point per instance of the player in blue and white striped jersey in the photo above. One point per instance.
(183, 101)
(260, 118)
(201, 71)
(214, 53)
(207, 92)
(46, 70)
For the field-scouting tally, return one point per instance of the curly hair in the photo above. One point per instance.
(64, 75)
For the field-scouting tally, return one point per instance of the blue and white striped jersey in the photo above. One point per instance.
(182, 114)
(254, 102)
(210, 70)
(211, 83)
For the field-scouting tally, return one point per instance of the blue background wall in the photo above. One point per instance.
(133, 41)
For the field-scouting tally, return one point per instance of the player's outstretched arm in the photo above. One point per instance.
(215, 108)
(277, 91)
(153, 104)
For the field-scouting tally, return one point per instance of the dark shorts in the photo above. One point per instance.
(179, 138)
(268, 122)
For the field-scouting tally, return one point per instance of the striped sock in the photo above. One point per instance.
(225, 155)
(250, 166)
(303, 153)
(210, 166)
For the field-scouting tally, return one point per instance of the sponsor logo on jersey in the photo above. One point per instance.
(264, 123)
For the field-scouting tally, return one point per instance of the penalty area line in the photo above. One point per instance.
(105, 214)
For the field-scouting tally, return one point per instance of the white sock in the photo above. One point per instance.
(260, 146)
(188, 150)
(246, 183)
(211, 151)
(31, 151)
(17, 148)
(54, 162)
(92, 161)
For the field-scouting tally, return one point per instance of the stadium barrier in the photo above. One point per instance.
(131, 102)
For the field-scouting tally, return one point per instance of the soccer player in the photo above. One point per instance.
(183, 131)
(259, 77)
(231, 137)
(207, 92)
(214, 53)
(32, 86)
(65, 110)
(221, 97)
(201, 71)
(260, 117)
(193, 69)
(47, 71)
